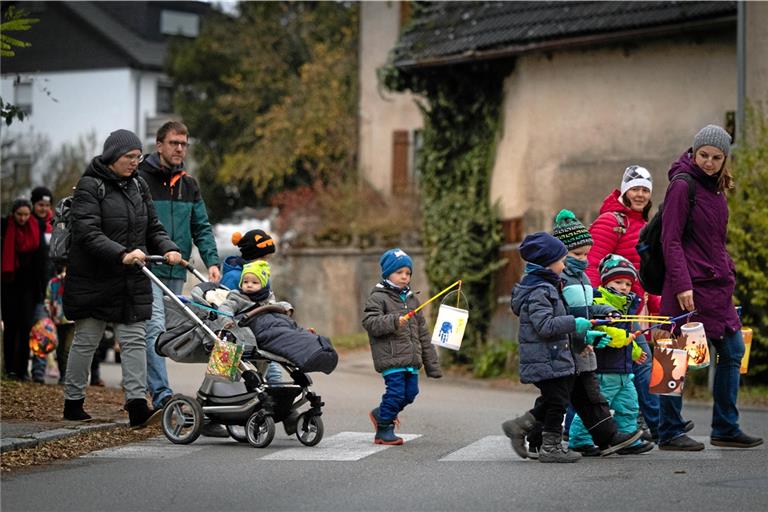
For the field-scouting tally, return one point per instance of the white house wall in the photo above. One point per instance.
(380, 112)
(573, 120)
(97, 100)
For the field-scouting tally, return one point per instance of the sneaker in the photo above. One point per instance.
(682, 443)
(533, 452)
(646, 436)
(620, 440)
(688, 426)
(741, 440)
(636, 449)
(587, 450)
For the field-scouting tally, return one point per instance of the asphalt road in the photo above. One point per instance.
(456, 458)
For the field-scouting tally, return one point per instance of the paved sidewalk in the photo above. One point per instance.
(26, 434)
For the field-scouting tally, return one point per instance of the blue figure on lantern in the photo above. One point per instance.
(445, 332)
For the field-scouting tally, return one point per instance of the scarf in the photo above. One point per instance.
(535, 274)
(18, 240)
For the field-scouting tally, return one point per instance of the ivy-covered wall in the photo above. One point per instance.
(461, 228)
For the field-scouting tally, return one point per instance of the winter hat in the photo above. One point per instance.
(636, 176)
(41, 194)
(570, 231)
(254, 244)
(260, 269)
(614, 267)
(542, 249)
(393, 260)
(712, 135)
(119, 143)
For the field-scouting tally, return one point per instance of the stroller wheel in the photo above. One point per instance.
(237, 432)
(260, 430)
(309, 430)
(182, 419)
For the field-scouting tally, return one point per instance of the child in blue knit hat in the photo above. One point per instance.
(400, 342)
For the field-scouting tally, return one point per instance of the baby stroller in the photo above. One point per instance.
(250, 406)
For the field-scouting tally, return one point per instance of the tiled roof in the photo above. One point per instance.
(446, 31)
(143, 53)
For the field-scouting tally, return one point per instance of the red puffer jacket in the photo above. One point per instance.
(608, 238)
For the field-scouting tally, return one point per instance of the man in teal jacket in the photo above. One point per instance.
(182, 212)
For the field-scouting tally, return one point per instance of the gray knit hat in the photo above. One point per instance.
(119, 143)
(712, 135)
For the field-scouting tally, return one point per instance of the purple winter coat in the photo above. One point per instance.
(700, 260)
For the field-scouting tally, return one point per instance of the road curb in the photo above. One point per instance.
(30, 441)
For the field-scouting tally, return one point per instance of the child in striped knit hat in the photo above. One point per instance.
(614, 362)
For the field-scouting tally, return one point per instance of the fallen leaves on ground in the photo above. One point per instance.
(28, 401)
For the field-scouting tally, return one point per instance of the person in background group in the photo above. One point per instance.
(42, 199)
(20, 283)
(616, 230)
(114, 226)
(700, 276)
(181, 210)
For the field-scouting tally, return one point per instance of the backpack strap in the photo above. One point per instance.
(684, 176)
(621, 218)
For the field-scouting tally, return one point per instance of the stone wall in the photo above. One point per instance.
(329, 286)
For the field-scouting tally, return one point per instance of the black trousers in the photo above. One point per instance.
(550, 407)
(590, 405)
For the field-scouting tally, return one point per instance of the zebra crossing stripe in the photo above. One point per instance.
(344, 446)
(487, 449)
(154, 448)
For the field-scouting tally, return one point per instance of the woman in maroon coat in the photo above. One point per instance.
(700, 276)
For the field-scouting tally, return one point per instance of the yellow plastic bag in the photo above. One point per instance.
(224, 360)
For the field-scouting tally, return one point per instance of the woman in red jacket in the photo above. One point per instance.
(615, 231)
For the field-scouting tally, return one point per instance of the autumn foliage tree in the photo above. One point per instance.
(269, 96)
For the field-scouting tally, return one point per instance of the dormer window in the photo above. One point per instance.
(177, 23)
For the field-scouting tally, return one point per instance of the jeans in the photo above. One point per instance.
(157, 375)
(649, 402)
(401, 390)
(725, 392)
(88, 334)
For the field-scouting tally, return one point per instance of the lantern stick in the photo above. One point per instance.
(410, 314)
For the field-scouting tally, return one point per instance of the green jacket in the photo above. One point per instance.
(182, 212)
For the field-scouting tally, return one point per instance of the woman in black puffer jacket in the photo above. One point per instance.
(113, 226)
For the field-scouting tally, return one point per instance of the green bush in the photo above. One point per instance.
(748, 237)
(499, 358)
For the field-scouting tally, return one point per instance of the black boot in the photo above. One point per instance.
(517, 429)
(552, 449)
(73, 410)
(385, 434)
(620, 440)
(140, 415)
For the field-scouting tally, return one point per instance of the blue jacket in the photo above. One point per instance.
(616, 360)
(230, 272)
(545, 346)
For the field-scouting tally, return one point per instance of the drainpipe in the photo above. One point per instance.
(741, 71)
(136, 106)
